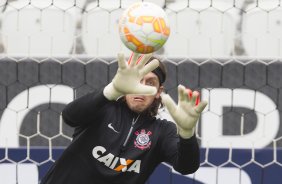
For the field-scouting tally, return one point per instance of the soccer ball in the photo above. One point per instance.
(144, 27)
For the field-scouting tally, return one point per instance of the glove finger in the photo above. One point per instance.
(181, 93)
(149, 67)
(130, 58)
(121, 62)
(169, 103)
(144, 60)
(195, 95)
(188, 95)
(201, 106)
(145, 90)
(133, 59)
(198, 100)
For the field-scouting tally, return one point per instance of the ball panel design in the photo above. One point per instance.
(144, 27)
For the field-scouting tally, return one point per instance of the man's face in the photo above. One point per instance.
(139, 103)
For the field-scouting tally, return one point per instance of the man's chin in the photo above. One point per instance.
(138, 109)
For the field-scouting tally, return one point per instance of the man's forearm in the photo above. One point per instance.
(84, 108)
(188, 158)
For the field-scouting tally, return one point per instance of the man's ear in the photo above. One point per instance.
(160, 90)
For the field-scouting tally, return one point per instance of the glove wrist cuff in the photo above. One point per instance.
(186, 134)
(111, 93)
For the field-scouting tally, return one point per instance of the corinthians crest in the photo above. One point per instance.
(142, 140)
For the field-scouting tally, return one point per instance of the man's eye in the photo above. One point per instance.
(150, 83)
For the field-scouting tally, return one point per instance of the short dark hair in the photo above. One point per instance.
(160, 71)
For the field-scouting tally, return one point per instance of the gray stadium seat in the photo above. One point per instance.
(100, 33)
(193, 34)
(31, 32)
(262, 33)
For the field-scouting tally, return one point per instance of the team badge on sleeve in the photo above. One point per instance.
(142, 140)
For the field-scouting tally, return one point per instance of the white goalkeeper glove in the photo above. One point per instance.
(187, 112)
(128, 77)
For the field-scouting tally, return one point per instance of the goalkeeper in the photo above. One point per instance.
(117, 138)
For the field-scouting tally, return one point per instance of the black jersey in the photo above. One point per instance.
(112, 144)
